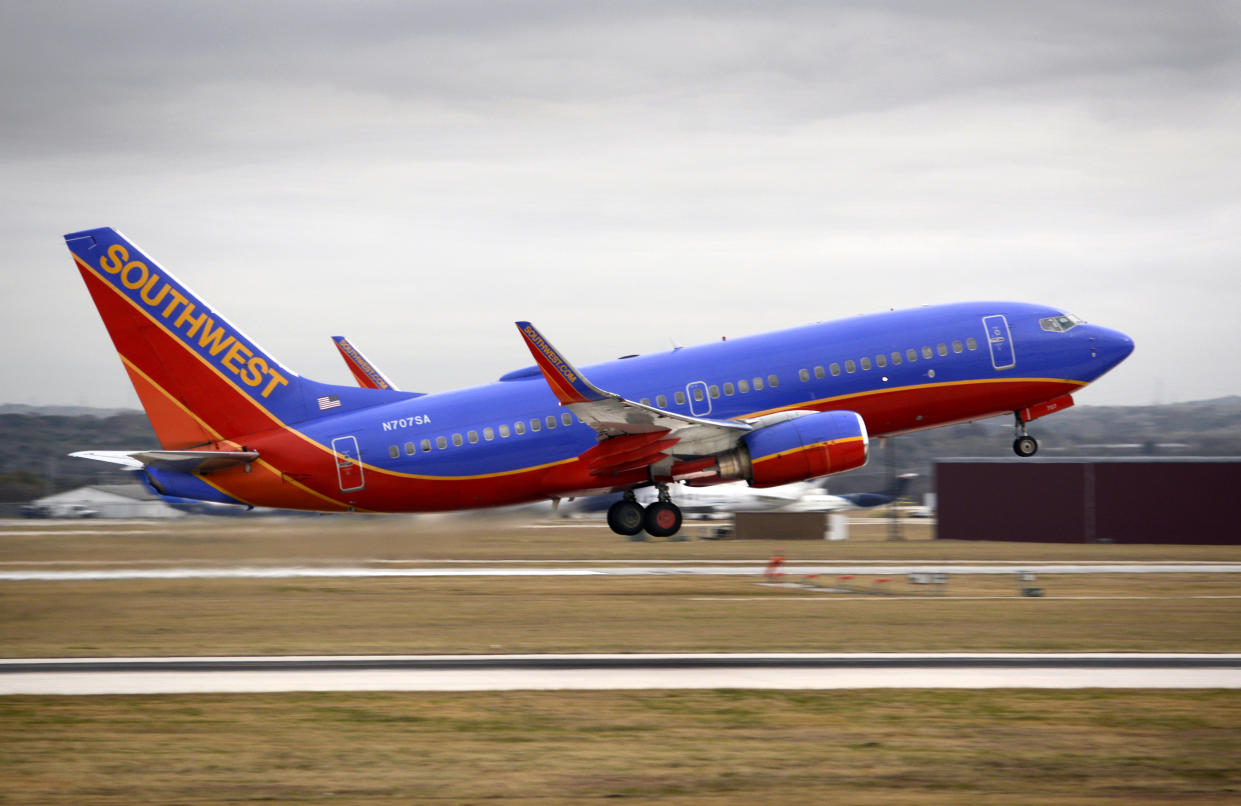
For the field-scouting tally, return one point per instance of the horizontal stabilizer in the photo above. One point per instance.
(177, 461)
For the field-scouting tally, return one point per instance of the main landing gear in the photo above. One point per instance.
(660, 519)
(1024, 445)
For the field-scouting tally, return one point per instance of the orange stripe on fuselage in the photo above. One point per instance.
(910, 408)
(267, 487)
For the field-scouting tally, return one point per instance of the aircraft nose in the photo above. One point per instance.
(1109, 347)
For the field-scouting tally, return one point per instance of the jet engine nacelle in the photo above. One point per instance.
(798, 449)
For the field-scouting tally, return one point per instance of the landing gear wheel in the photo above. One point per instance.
(625, 517)
(1025, 446)
(662, 519)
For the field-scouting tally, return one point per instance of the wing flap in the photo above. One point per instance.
(630, 452)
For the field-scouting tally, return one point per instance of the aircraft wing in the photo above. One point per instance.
(644, 434)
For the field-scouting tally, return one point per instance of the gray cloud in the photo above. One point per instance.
(420, 174)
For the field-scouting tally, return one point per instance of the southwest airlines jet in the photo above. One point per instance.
(237, 426)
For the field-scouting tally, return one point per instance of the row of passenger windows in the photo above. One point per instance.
(895, 358)
(743, 386)
(696, 392)
(488, 434)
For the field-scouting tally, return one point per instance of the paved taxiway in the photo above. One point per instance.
(89, 676)
(43, 574)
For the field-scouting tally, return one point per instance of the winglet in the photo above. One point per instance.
(367, 374)
(566, 382)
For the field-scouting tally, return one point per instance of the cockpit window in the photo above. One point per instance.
(1060, 324)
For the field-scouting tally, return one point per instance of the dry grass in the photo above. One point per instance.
(442, 538)
(603, 614)
(481, 615)
(722, 747)
(553, 748)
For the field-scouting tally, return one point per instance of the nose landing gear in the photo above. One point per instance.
(1024, 445)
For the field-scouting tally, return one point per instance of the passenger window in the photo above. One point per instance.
(519, 427)
(489, 434)
(971, 343)
(713, 391)
(680, 398)
(394, 451)
(956, 346)
(911, 354)
(457, 440)
(566, 418)
(835, 369)
(896, 358)
(819, 373)
(850, 366)
(926, 352)
(473, 435)
(441, 442)
(866, 362)
(646, 401)
(773, 381)
(758, 384)
(535, 425)
(743, 386)
(503, 432)
(551, 420)
(729, 389)
(941, 348)
(803, 374)
(426, 446)
(410, 448)
(881, 361)
(661, 401)
(697, 393)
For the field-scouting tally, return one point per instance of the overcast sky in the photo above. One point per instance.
(418, 175)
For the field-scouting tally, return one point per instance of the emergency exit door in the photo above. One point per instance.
(1000, 341)
(348, 463)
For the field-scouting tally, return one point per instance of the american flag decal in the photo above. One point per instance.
(329, 402)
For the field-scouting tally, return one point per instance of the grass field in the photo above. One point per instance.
(721, 747)
(577, 614)
(336, 539)
(676, 747)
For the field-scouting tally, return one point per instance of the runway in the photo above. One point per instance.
(790, 671)
(43, 574)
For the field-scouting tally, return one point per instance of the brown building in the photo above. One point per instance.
(1090, 500)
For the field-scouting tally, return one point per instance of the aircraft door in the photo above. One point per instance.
(699, 399)
(348, 463)
(1000, 341)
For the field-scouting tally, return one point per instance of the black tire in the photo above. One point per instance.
(1025, 446)
(625, 517)
(662, 519)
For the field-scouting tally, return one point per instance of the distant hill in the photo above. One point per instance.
(35, 442)
(34, 448)
(61, 411)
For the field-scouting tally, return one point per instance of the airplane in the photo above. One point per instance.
(235, 425)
